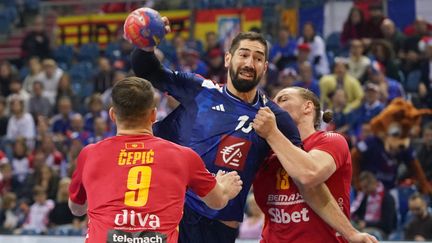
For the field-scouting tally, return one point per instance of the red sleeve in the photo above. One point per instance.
(200, 179)
(77, 193)
(335, 145)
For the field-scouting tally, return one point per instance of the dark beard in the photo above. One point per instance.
(242, 85)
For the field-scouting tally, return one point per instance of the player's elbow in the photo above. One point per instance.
(308, 180)
(77, 209)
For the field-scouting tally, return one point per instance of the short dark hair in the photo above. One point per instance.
(252, 36)
(132, 99)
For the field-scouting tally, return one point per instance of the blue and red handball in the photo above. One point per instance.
(144, 28)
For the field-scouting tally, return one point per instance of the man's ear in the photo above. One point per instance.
(228, 57)
(153, 115)
(309, 107)
(112, 114)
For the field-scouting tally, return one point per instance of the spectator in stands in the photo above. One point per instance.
(420, 31)
(77, 129)
(39, 105)
(104, 76)
(307, 79)
(253, 221)
(53, 157)
(425, 86)
(317, 56)
(212, 46)
(42, 127)
(36, 42)
(382, 52)
(35, 67)
(60, 218)
(8, 218)
(189, 61)
(358, 63)
(95, 109)
(20, 162)
(100, 131)
(389, 88)
(4, 119)
(50, 77)
(36, 222)
(216, 69)
(17, 92)
(5, 178)
(61, 123)
(370, 107)
(122, 62)
(411, 71)
(392, 35)
(373, 24)
(7, 74)
(340, 121)
(424, 154)
(106, 96)
(354, 26)
(420, 228)
(373, 208)
(47, 179)
(340, 79)
(65, 89)
(282, 53)
(20, 124)
(286, 78)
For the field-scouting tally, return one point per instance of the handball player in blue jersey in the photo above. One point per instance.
(216, 122)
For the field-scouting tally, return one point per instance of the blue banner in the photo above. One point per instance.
(312, 11)
(402, 12)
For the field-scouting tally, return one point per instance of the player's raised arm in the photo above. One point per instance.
(145, 28)
(227, 187)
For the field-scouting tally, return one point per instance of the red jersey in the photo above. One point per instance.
(135, 187)
(287, 216)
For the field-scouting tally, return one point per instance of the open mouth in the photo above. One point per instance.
(247, 74)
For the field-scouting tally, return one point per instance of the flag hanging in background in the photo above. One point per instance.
(103, 28)
(226, 22)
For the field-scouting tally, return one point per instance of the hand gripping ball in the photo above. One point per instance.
(144, 28)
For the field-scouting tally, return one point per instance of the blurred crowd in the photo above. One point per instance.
(57, 102)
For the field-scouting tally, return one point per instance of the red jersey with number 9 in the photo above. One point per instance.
(135, 187)
(287, 216)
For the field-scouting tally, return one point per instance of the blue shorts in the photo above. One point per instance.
(195, 228)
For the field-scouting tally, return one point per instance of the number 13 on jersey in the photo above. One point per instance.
(138, 184)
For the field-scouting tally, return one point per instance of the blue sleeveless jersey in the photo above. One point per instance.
(218, 126)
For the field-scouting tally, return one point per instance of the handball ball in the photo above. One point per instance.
(144, 28)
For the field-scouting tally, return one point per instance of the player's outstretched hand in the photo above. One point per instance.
(362, 238)
(264, 122)
(231, 182)
(167, 30)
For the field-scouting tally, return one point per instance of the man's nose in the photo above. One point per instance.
(249, 62)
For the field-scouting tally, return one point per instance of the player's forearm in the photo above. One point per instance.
(297, 163)
(146, 65)
(322, 202)
(217, 198)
